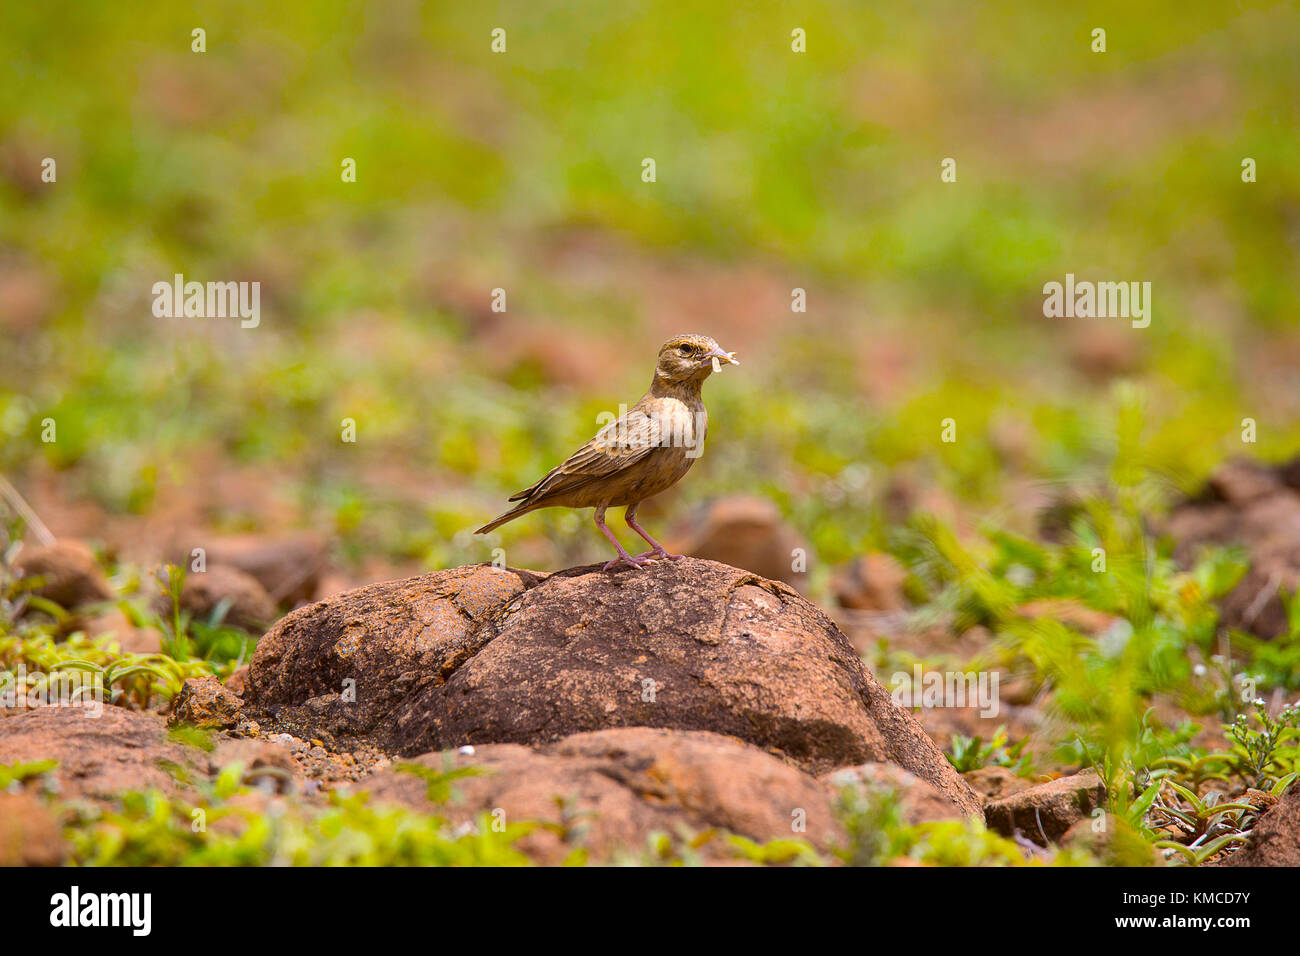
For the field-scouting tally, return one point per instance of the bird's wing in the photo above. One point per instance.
(619, 444)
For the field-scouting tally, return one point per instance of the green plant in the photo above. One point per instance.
(971, 753)
(1265, 754)
(175, 643)
(20, 772)
(152, 830)
(1205, 821)
(439, 782)
(783, 852)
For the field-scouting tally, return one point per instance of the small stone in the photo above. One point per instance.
(248, 605)
(873, 582)
(70, 575)
(205, 703)
(238, 680)
(1043, 813)
(747, 532)
(994, 783)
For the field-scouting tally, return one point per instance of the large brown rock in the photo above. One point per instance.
(382, 643)
(614, 788)
(482, 655)
(1275, 839)
(68, 572)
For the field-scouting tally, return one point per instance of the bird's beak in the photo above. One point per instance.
(718, 356)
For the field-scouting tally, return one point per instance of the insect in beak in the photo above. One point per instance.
(719, 357)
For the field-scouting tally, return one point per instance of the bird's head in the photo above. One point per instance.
(690, 359)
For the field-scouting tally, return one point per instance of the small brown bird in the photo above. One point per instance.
(641, 453)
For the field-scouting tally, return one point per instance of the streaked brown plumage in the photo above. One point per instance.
(638, 455)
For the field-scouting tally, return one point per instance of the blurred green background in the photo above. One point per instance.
(522, 170)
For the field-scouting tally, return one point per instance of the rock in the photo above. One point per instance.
(263, 762)
(100, 757)
(749, 533)
(29, 833)
(995, 783)
(921, 803)
(1288, 473)
(250, 607)
(873, 582)
(482, 655)
(392, 639)
(1043, 813)
(70, 575)
(237, 681)
(288, 741)
(130, 639)
(1241, 480)
(1251, 505)
(620, 786)
(27, 298)
(20, 167)
(1275, 839)
(288, 568)
(204, 702)
(909, 490)
(1103, 352)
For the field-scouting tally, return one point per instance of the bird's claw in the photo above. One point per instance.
(661, 554)
(638, 562)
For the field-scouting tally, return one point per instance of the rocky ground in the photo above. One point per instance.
(690, 698)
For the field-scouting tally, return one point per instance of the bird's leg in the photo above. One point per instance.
(623, 556)
(659, 550)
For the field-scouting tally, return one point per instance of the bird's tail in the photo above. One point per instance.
(510, 515)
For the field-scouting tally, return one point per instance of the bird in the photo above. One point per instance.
(644, 451)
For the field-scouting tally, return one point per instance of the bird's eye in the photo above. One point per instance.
(685, 349)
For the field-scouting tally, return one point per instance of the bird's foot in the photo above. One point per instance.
(639, 561)
(660, 554)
